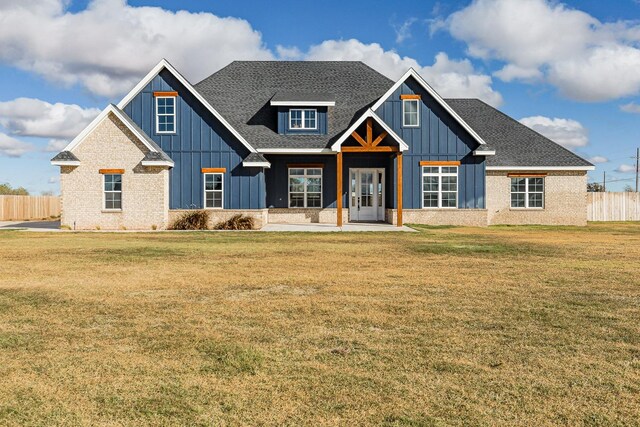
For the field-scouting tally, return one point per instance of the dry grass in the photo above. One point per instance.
(451, 326)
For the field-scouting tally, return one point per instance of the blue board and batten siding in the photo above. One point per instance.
(438, 137)
(200, 141)
(277, 177)
(283, 122)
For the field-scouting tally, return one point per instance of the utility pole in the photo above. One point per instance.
(604, 180)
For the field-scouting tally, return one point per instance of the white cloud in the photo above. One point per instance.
(53, 179)
(12, 147)
(403, 31)
(109, 46)
(626, 168)
(512, 72)
(631, 107)
(573, 50)
(598, 159)
(566, 132)
(56, 145)
(288, 53)
(34, 117)
(451, 78)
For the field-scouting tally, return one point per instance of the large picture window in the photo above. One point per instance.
(305, 187)
(112, 191)
(302, 119)
(213, 190)
(165, 114)
(439, 186)
(527, 192)
(410, 112)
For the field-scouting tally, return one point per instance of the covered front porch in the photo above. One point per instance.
(359, 181)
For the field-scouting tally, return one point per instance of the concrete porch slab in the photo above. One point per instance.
(328, 228)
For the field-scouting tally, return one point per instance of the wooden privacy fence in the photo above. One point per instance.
(613, 206)
(19, 208)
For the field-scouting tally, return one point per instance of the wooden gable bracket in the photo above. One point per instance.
(369, 142)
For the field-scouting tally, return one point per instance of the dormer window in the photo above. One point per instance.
(303, 119)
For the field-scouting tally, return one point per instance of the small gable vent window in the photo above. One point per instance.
(410, 112)
(302, 119)
(165, 114)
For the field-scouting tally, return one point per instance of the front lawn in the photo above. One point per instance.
(509, 326)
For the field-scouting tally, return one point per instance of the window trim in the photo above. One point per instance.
(104, 193)
(305, 168)
(303, 116)
(440, 174)
(526, 193)
(417, 101)
(205, 191)
(175, 115)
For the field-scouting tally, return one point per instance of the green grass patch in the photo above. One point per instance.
(227, 358)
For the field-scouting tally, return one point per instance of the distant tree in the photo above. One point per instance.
(594, 187)
(7, 190)
(47, 193)
(628, 189)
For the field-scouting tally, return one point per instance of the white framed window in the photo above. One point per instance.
(165, 114)
(213, 190)
(305, 187)
(410, 112)
(527, 192)
(303, 119)
(112, 185)
(440, 187)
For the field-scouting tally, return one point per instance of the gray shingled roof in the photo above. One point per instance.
(298, 96)
(515, 144)
(255, 157)
(65, 156)
(242, 92)
(155, 157)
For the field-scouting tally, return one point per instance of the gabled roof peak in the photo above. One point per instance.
(413, 73)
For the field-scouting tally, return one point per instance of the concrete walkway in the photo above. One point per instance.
(30, 225)
(314, 228)
(326, 228)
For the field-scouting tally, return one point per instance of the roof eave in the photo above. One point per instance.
(65, 162)
(541, 168)
(303, 103)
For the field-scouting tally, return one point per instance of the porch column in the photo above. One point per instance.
(339, 188)
(399, 190)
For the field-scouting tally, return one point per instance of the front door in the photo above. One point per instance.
(367, 195)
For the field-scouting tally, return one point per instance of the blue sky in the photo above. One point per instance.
(569, 70)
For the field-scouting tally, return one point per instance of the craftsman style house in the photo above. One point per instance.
(296, 142)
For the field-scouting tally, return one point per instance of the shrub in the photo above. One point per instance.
(192, 220)
(154, 227)
(236, 222)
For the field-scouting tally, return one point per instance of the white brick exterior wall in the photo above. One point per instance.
(565, 200)
(218, 215)
(145, 190)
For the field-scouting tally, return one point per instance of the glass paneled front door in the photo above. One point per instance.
(366, 201)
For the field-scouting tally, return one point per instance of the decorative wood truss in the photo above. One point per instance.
(369, 144)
